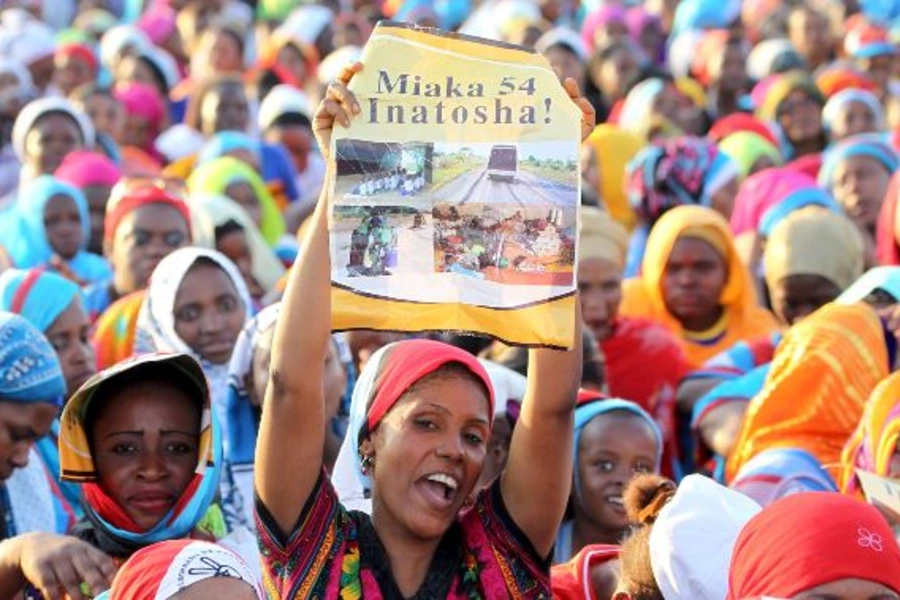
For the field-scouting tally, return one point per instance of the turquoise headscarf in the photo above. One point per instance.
(29, 368)
(227, 141)
(588, 410)
(31, 247)
(39, 296)
(870, 145)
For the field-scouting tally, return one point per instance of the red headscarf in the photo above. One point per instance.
(736, 122)
(150, 194)
(407, 362)
(886, 248)
(82, 52)
(809, 539)
(572, 580)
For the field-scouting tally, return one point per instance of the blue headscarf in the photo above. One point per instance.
(878, 278)
(588, 411)
(29, 368)
(39, 296)
(795, 201)
(224, 142)
(705, 14)
(779, 472)
(866, 144)
(31, 247)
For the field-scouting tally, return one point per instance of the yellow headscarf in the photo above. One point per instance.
(824, 369)
(214, 177)
(613, 148)
(814, 241)
(643, 296)
(874, 442)
(601, 237)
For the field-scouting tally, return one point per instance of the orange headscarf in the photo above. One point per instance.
(113, 337)
(875, 440)
(613, 148)
(822, 373)
(643, 296)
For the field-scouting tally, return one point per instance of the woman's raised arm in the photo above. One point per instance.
(292, 430)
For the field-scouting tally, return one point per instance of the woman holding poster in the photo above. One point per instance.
(432, 534)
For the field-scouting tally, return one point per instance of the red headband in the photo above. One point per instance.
(408, 362)
(133, 201)
(79, 51)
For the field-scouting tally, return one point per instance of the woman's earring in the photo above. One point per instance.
(366, 463)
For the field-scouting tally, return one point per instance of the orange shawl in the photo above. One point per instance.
(613, 148)
(643, 297)
(822, 373)
(874, 442)
(113, 336)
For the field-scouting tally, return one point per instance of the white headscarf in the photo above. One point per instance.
(156, 319)
(281, 100)
(33, 111)
(352, 486)
(702, 515)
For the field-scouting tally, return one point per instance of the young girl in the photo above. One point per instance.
(54, 229)
(423, 446)
(614, 440)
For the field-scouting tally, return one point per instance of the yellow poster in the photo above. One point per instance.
(456, 193)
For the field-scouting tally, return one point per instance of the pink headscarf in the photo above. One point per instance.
(142, 100)
(158, 23)
(604, 15)
(85, 168)
(760, 192)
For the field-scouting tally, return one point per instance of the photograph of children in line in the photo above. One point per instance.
(380, 241)
(383, 172)
(507, 243)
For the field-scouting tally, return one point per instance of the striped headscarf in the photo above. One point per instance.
(29, 368)
(824, 370)
(874, 442)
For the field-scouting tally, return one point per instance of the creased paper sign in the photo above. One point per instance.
(456, 191)
(880, 490)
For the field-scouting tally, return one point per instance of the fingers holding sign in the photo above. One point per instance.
(339, 106)
(588, 114)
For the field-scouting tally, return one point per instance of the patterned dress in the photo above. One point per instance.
(335, 553)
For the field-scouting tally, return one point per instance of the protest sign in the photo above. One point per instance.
(880, 490)
(454, 203)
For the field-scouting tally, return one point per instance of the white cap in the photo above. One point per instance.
(118, 38)
(305, 24)
(562, 36)
(693, 537)
(280, 100)
(36, 109)
(179, 141)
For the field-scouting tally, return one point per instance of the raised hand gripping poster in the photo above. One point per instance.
(456, 192)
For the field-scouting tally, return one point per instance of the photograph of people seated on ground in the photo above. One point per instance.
(379, 241)
(505, 243)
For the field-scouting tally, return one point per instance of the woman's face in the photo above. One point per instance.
(694, 278)
(62, 222)
(234, 246)
(600, 292)
(142, 239)
(566, 64)
(48, 142)
(849, 589)
(224, 109)
(69, 334)
(131, 69)
(71, 72)
(292, 59)
(612, 449)
(242, 193)
(217, 587)
(138, 132)
(144, 444)
(860, 184)
(428, 452)
(222, 51)
(613, 31)
(800, 116)
(614, 75)
(21, 425)
(106, 114)
(730, 72)
(854, 119)
(298, 140)
(208, 312)
(880, 70)
(797, 296)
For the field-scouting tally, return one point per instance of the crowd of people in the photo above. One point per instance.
(177, 418)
